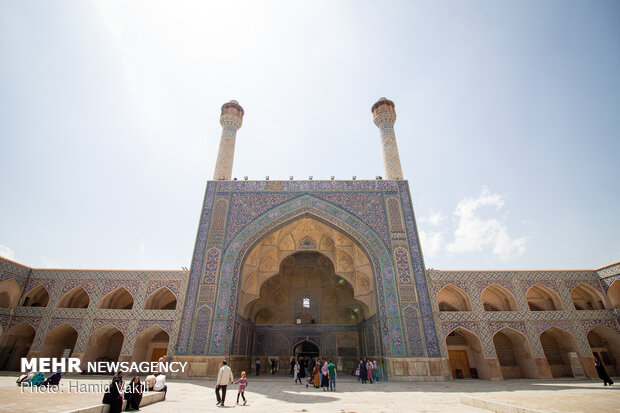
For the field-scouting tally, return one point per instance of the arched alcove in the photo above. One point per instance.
(465, 355)
(36, 297)
(614, 293)
(150, 344)
(14, 345)
(76, 297)
(9, 293)
(585, 297)
(118, 299)
(605, 345)
(452, 298)
(514, 354)
(161, 299)
(59, 342)
(104, 344)
(498, 298)
(556, 344)
(542, 298)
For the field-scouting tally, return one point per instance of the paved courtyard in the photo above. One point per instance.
(282, 395)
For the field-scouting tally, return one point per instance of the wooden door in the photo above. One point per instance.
(459, 361)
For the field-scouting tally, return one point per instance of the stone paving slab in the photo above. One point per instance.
(280, 394)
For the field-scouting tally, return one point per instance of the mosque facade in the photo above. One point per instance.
(316, 268)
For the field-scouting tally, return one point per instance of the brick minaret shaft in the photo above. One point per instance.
(384, 116)
(231, 120)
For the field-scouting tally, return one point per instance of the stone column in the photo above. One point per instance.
(231, 119)
(384, 116)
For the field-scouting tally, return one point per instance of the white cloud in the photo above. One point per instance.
(474, 233)
(431, 242)
(142, 246)
(436, 219)
(50, 263)
(6, 252)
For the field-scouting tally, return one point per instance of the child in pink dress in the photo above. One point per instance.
(242, 382)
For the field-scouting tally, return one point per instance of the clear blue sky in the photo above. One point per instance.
(508, 121)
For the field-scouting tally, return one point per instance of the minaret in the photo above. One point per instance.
(231, 119)
(384, 116)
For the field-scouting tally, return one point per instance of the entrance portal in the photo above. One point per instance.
(306, 349)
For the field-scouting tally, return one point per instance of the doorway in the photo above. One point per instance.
(306, 349)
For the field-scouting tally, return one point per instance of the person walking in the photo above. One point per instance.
(296, 370)
(243, 383)
(224, 378)
(602, 374)
(257, 366)
(273, 366)
(292, 365)
(331, 370)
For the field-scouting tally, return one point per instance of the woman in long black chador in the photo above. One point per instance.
(113, 394)
(600, 369)
(133, 394)
(363, 371)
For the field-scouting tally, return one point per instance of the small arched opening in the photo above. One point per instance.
(542, 298)
(14, 345)
(161, 299)
(585, 297)
(306, 349)
(605, 345)
(557, 344)
(498, 298)
(614, 293)
(104, 344)
(37, 297)
(59, 342)
(117, 299)
(151, 344)
(466, 355)
(514, 354)
(9, 293)
(452, 298)
(76, 297)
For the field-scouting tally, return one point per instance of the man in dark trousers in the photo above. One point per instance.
(224, 378)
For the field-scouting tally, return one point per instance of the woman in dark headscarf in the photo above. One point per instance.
(363, 371)
(600, 369)
(133, 394)
(113, 395)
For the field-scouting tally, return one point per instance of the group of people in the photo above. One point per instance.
(367, 371)
(319, 372)
(35, 379)
(132, 392)
(224, 378)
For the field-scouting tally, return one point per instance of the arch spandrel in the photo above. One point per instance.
(300, 207)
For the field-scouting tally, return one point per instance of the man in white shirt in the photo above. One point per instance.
(224, 378)
(160, 383)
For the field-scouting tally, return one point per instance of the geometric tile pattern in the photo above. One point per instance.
(402, 266)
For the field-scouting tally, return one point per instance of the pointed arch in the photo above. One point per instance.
(15, 344)
(36, 297)
(605, 345)
(9, 293)
(59, 342)
(466, 355)
(453, 298)
(77, 297)
(585, 297)
(104, 344)
(557, 344)
(542, 298)
(514, 354)
(150, 344)
(497, 298)
(117, 299)
(614, 293)
(161, 299)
